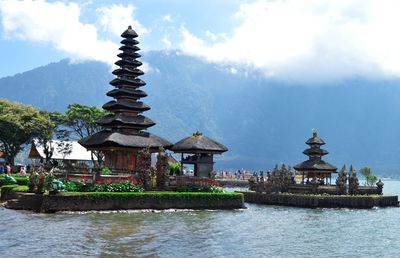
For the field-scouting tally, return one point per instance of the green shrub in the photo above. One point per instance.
(160, 195)
(81, 186)
(105, 170)
(198, 188)
(174, 168)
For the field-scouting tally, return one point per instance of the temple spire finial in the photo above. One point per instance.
(314, 132)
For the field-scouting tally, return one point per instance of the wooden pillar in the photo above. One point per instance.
(181, 163)
(302, 180)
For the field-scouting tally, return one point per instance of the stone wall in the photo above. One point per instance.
(233, 183)
(316, 189)
(322, 201)
(126, 201)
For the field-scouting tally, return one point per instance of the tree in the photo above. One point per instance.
(370, 178)
(18, 125)
(82, 120)
(365, 171)
(45, 136)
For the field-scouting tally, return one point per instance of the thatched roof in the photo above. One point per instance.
(198, 143)
(315, 140)
(123, 120)
(315, 165)
(124, 104)
(108, 138)
(129, 33)
(315, 151)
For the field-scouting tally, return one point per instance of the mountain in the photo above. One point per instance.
(261, 121)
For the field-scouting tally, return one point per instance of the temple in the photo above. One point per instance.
(125, 126)
(202, 149)
(315, 167)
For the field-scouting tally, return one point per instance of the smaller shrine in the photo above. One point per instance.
(200, 150)
(315, 167)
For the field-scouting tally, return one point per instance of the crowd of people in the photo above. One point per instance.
(240, 174)
(6, 168)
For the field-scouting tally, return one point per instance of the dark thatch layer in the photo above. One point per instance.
(130, 42)
(128, 52)
(315, 151)
(125, 104)
(118, 92)
(129, 33)
(198, 144)
(125, 62)
(118, 139)
(315, 165)
(315, 140)
(121, 119)
(127, 71)
(124, 82)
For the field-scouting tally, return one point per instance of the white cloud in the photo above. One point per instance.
(167, 18)
(211, 35)
(117, 16)
(59, 24)
(309, 40)
(167, 42)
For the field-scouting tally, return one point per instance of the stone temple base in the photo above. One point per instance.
(125, 201)
(322, 201)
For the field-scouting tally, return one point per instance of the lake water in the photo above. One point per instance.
(258, 231)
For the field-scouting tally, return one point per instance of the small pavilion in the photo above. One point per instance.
(125, 127)
(315, 166)
(201, 150)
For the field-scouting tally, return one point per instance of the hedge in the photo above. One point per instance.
(156, 195)
(21, 179)
(73, 201)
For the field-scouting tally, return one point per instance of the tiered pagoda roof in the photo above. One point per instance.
(125, 126)
(315, 163)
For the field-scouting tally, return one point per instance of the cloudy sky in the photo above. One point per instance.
(300, 40)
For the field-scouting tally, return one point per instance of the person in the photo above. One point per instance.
(22, 170)
(1, 169)
(8, 168)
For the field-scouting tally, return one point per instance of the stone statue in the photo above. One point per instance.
(286, 178)
(162, 169)
(380, 184)
(32, 181)
(341, 180)
(50, 179)
(143, 167)
(252, 183)
(275, 180)
(40, 181)
(353, 181)
(315, 183)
